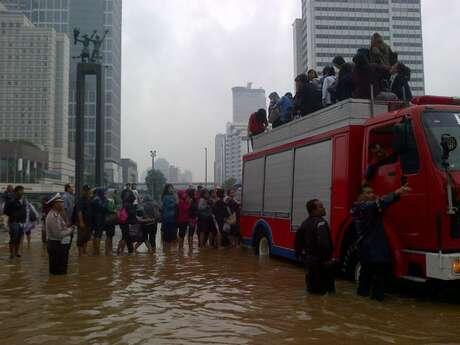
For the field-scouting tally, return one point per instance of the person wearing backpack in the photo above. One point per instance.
(285, 106)
(273, 110)
(153, 215)
(99, 213)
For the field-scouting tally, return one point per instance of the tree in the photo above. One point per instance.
(155, 182)
(229, 183)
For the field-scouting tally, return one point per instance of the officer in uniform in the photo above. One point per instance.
(373, 248)
(313, 245)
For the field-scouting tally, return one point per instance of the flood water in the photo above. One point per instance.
(200, 297)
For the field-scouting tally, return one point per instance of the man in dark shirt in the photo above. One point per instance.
(313, 245)
(306, 100)
(16, 211)
(83, 211)
(373, 248)
(380, 157)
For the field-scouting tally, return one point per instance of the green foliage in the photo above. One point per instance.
(229, 183)
(155, 182)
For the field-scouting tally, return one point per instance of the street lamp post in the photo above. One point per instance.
(206, 167)
(153, 154)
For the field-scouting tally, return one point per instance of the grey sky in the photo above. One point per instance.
(182, 57)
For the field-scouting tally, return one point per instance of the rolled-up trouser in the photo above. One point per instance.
(125, 237)
(58, 255)
(83, 236)
(150, 233)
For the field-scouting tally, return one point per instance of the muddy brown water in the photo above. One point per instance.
(199, 297)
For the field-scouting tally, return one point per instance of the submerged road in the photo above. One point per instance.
(226, 296)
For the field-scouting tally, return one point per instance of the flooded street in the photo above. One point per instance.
(199, 297)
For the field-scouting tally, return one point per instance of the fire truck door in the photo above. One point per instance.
(409, 214)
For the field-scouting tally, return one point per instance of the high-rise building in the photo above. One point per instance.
(246, 101)
(173, 175)
(186, 176)
(297, 28)
(129, 168)
(162, 165)
(340, 27)
(34, 71)
(219, 159)
(236, 145)
(87, 16)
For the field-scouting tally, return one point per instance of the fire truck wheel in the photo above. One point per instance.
(262, 247)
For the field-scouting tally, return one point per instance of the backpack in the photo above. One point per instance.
(274, 114)
(122, 216)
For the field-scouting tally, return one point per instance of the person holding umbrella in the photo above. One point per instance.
(59, 236)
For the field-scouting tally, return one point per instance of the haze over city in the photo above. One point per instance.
(178, 69)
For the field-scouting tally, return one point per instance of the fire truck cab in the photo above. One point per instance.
(326, 155)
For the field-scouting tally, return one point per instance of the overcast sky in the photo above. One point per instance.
(182, 57)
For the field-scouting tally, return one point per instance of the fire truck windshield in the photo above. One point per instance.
(436, 124)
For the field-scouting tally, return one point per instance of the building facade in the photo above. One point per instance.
(129, 169)
(246, 101)
(219, 159)
(236, 145)
(87, 16)
(297, 30)
(34, 72)
(340, 27)
(162, 165)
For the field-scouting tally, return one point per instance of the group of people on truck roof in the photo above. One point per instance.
(374, 72)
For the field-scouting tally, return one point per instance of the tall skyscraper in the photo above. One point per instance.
(231, 146)
(34, 71)
(88, 15)
(219, 158)
(340, 27)
(297, 28)
(247, 100)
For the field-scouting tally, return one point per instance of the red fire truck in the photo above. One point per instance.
(325, 155)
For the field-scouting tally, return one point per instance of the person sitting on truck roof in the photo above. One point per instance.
(313, 244)
(273, 110)
(343, 86)
(373, 248)
(306, 100)
(380, 157)
(399, 81)
(257, 122)
(328, 81)
(285, 105)
(380, 52)
(314, 79)
(366, 74)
